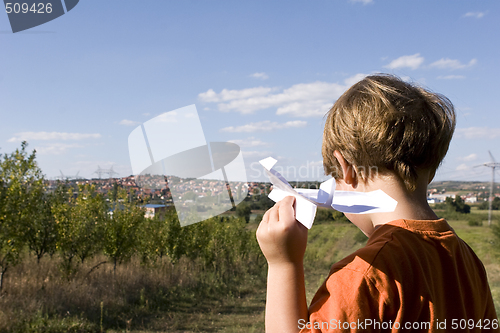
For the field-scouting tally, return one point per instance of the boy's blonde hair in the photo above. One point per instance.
(385, 123)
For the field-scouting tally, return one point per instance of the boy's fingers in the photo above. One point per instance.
(283, 209)
(286, 211)
(274, 213)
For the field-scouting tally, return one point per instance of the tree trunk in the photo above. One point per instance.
(2, 273)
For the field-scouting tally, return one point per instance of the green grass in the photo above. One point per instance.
(487, 248)
(331, 242)
(185, 297)
(327, 244)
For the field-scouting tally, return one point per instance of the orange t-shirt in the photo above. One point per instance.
(411, 275)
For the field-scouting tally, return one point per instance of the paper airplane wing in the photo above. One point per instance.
(363, 202)
(307, 200)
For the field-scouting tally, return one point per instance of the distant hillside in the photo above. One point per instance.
(463, 187)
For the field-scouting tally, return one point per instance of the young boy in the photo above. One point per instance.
(414, 273)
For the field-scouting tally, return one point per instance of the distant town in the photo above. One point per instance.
(159, 192)
(470, 192)
(155, 191)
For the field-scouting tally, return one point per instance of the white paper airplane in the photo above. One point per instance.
(307, 200)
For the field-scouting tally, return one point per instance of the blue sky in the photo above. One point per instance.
(261, 73)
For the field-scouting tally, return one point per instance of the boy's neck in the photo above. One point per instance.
(411, 205)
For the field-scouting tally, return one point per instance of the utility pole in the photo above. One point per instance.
(109, 172)
(493, 165)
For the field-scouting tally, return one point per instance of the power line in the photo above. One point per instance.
(68, 177)
(493, 165)
(109, 172)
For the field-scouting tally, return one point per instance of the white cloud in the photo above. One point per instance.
(354, 79)
(262, 76)
(468, 158)
(451, 77)
(227, 95)
(264, 126)
(305, 109)
(209, 96)
(55, 148)
(477, 133)
(255, 153)
(53, 136)
(300, 100)
(364, 2)
(167, 117)
(408, 61)
(477, 15)
(127, 122)
(447, 63)
(462, 167)
(249, 142)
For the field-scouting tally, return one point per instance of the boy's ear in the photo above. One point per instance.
(350, 175)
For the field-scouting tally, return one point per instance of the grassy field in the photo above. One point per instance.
(165, 298)
(185, 297)
(482, 240)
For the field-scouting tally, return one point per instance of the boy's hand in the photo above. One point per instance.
(281, 237)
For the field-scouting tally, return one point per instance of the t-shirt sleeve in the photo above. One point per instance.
(348, 301)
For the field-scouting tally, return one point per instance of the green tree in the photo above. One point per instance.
(114, 192)
(121, 230)
(153, 238)
(323, 215)
(224, 244)
(39, 227)
(179, 239)
(457, 205)
(80, 225)
(495, 205)
(264, 202)
(20, 180)
(326, 215)
(243, 210)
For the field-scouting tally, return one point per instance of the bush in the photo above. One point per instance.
(339, 217)
(457, 205)
(323, 215)
(475, 223)
(495, 205)
(243, 210)
(326, 215)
